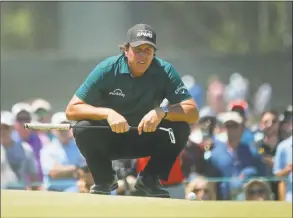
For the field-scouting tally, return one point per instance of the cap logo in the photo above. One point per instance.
(145, 33)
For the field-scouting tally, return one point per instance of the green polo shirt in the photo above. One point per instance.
(111, 85)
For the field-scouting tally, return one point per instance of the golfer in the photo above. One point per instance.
(123, 91)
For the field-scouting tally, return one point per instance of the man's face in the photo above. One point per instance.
(140, 57)
(63, 135)
(269, 124)
(21, 118)
(215, 97)
(201, 193)
(5, 133)
(43, 115)
(234, 130)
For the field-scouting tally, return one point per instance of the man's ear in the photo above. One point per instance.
(126, 50)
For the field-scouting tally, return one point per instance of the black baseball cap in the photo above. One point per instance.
(141, 34)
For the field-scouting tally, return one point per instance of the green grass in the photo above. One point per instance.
(49, 204)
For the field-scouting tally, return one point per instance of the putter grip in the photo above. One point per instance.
(47, 126)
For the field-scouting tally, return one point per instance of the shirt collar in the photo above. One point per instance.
(123, 65)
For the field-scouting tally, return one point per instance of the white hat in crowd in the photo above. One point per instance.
(230, 116)
(7, 118)
(19, 107)
(59, 117)
(40, 104)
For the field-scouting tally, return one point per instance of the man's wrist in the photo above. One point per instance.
(161, 113)
(75, 171)
(165, 109)
(109, 110)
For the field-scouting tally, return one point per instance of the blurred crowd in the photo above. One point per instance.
(238, 150)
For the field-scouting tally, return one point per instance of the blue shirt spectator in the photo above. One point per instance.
(240, 164)
(23, 163)
(283, 162)
(233, 160)
(57, 153)
(19, 155)
(60, 159)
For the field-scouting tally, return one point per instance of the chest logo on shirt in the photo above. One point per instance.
(117, 92)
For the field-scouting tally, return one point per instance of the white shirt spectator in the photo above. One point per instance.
(7, 175)
(282, 159)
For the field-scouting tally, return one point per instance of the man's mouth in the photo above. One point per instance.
(141, 62)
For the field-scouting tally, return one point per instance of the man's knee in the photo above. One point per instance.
(90, 139)
(80, 129)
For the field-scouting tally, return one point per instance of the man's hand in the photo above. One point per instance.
(150, 121)
(117, 122)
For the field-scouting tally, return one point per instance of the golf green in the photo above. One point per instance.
(31, 204)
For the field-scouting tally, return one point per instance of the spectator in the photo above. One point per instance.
(85, 180)
(285, 123)
(267, 145)
(8, 177)
(19, 155)
(283, 163)
(61, 159)
(126, 173)
(22, 113)
(42, 111)
(257, 190)
(241, 107)
(201, 141)
(198, 190)
(232, 159)
(215, 99)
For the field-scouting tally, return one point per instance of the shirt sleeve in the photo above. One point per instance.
(91, 89)
(176, 91)
(279, 162)
(82, 161)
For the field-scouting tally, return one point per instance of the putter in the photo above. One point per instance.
(68, 126)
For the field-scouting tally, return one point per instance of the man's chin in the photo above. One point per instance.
(140, 72)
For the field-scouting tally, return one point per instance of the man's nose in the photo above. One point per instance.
(269, 124)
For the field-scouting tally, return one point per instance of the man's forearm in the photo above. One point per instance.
(281, 173)
(85, 111)
(183, 112)
(63, 172)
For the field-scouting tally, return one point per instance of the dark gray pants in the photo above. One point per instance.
(101, 146)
